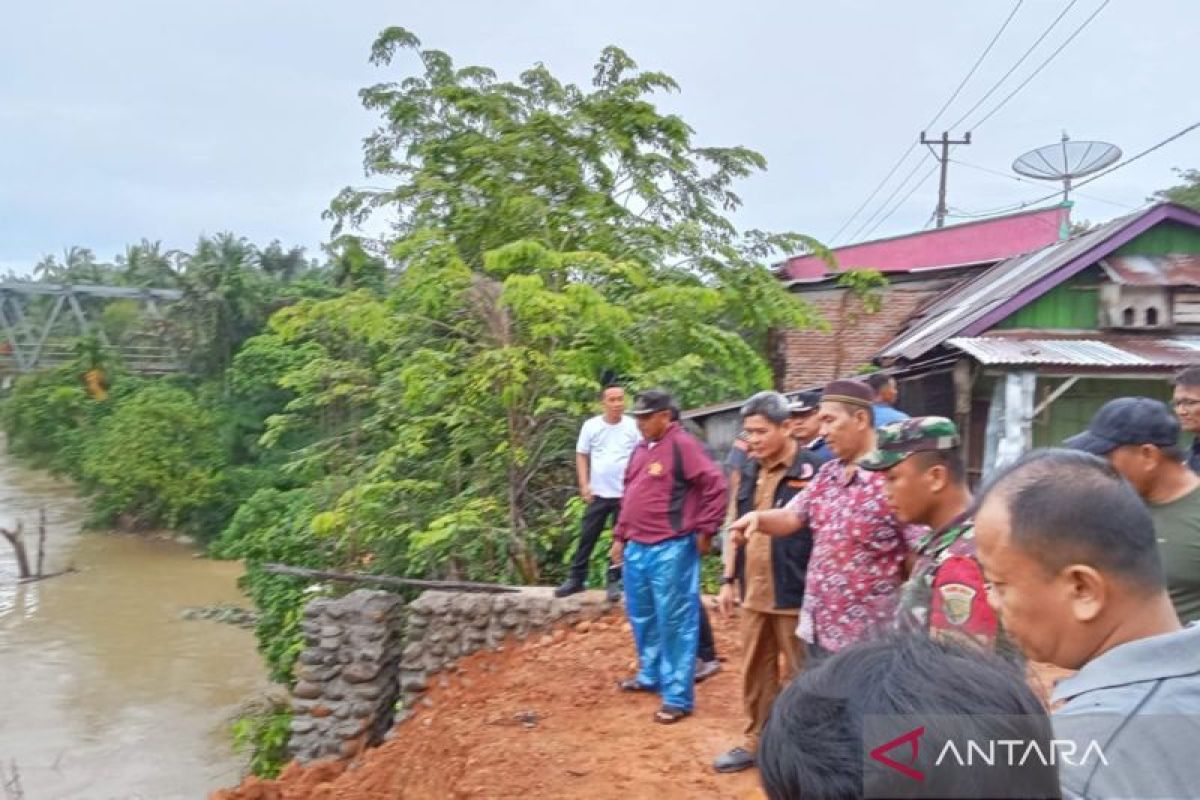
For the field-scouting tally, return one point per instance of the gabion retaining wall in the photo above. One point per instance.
(365, 650)
(347, 684)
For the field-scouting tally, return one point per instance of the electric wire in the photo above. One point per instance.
(954, 95)
(1040, 67)
(1014, 67)
(924, 179)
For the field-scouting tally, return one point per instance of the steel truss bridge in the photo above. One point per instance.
(40, 324)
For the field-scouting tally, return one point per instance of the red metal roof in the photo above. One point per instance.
(978, 242)
(1169, 270)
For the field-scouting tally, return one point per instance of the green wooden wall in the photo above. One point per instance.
(1071, 413)
(1163, 239)
(1073, 305)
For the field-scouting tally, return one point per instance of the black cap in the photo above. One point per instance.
(652, 401)
(1127, 420)
(805, 402)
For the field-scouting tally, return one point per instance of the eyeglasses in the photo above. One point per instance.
(1185, 402)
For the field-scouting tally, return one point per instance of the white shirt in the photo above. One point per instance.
(609, 448)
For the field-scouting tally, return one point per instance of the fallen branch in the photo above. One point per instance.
(387, 580)
(35, 578)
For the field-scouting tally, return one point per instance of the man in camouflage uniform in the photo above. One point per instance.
(926, 485)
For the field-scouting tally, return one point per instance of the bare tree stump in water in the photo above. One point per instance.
(41, 556)
(18, 545)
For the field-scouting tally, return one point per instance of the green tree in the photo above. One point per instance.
(1186, 193)
(545, 235)
(147, 264)
(224, 300)
(156, 458)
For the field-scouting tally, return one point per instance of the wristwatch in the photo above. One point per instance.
(726, 580)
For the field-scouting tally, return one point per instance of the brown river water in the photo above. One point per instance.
(105, 692)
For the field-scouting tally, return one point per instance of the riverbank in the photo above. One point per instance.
(107, 691)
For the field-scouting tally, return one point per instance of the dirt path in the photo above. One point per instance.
(543, 719)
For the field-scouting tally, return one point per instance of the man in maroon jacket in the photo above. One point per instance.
(674, 495)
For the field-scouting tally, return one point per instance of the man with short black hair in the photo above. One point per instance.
(1069, 549)
(1186, 399)
(674, 496)
(926, 484)
(886, 394)
(1139, 437)
(859, 547)
(767, 571)
(605, 443)
(828, 724)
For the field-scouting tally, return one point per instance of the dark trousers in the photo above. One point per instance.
(707, 650)
(595, 519)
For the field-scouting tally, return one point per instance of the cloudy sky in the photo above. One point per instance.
(126, 119)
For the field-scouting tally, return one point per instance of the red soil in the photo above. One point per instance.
(543, 719)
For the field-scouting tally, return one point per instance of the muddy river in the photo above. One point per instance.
(105, 692)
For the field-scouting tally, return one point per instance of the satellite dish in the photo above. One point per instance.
(1066, 160)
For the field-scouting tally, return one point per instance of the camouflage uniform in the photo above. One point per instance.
(946, 593)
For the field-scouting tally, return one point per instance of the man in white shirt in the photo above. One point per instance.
(605, 443)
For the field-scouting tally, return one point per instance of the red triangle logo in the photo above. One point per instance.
(913, 740)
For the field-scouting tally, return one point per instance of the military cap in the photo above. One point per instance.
(896, 442)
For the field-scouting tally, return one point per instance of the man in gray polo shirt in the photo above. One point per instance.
(1069, 551)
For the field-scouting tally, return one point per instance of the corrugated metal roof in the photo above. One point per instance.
(1168, 270)
(1109, 352)
(972, 300)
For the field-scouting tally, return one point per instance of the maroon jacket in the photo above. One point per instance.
(671, 489)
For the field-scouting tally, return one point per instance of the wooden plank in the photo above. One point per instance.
(387, 580)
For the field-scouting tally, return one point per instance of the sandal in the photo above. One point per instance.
(669, 715)
(633, 685)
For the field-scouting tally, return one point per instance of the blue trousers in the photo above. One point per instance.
(662, 600)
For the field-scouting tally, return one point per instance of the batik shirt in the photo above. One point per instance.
(946, 595)
(857, 562)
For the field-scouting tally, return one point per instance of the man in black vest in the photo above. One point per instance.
(768, 570)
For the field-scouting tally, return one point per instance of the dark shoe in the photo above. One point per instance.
(706, 669)
(569, 588)
(612, 593)
(633, 685)
(736, 760)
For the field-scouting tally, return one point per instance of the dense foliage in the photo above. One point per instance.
(411, 405)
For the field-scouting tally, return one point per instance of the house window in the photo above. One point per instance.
(1127, 317)
(1151, 317)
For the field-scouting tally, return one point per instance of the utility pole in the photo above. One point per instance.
(944, 160)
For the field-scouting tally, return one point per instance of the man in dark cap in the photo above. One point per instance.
(1140, 438)
(806, 425)
(674, 496)
(926, 483)
(859, 546)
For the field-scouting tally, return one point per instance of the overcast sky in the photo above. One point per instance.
(124, 119)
